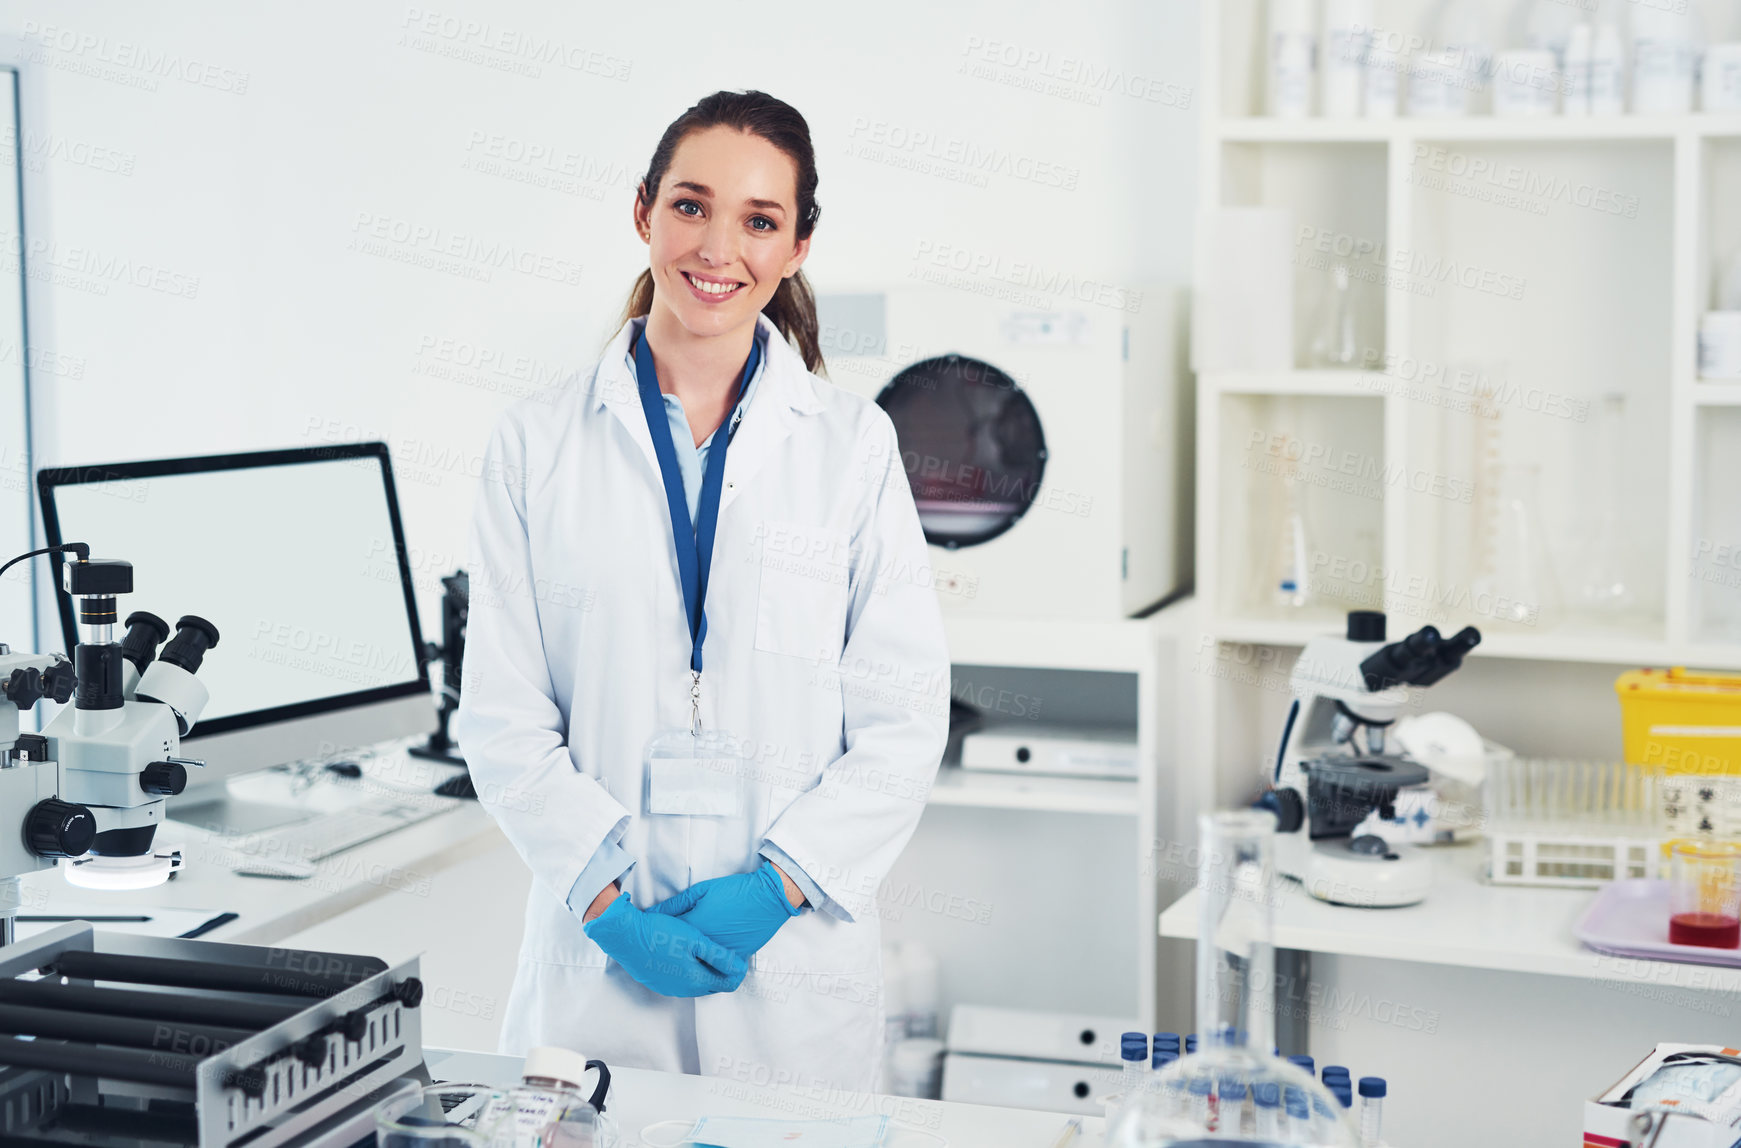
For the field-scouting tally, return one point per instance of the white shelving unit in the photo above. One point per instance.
(1147, 654)
(1584, 252)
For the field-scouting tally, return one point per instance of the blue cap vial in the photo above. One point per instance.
(1296, 1104)
(1373, 1086)
(1199, 1087)
(1335, 1072)
(1191, 1043)
(1162, 1058)
(1133, 1046)
(1343, 1094)
(1267, 1093)
(1233, 1090)
(1305, 1062)
(1170, 1039)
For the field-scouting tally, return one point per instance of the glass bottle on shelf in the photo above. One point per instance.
(1212, 1095)
(1336, 343)
(1604, 590)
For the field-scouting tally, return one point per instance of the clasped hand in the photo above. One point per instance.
(699, 941)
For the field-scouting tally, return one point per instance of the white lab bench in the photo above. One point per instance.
(1490, 1021)
(451, 887)
(640, 1097)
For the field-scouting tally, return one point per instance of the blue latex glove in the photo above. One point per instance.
(741, 912)
(669, 956)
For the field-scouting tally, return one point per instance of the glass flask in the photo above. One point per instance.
(1604, 590)
(1515, 584)
(1234, 1090)
(1336, 343)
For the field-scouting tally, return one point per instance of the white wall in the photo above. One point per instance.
(209, 172)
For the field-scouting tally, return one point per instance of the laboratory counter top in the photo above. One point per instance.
(641, 1097)
(1466, 922)
(270, 909)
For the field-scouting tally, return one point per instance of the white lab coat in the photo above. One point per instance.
(824, 655)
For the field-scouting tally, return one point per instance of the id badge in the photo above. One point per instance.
(691, 775)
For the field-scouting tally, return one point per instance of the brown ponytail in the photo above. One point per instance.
(793, 308)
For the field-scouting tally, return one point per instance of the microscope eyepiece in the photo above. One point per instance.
(1450, 655)
(1401, 662)
(193, 637)
(145, 632)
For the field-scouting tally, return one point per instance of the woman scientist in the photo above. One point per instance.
(706, 689)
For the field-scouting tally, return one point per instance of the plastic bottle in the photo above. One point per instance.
(1447, 79)
(1372, 1093)
(1382, 79)
(1664, 58)
(549, 1081)
(1607, 71)
(1293, 58)
(1347, 31)
(1579, 66)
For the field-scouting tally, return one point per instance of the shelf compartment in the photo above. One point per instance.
(1552, 285)
(1336, 195)
(1320, 460)
(1713, 568)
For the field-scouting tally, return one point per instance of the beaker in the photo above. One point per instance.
(1705, 894)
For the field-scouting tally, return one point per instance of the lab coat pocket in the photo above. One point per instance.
(801, 604)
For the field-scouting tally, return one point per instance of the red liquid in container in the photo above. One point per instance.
(1712, 930)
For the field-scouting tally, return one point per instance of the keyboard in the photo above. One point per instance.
(323, 836)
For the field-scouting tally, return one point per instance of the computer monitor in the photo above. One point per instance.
(298, 558)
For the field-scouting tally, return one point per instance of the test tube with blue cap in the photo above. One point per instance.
(1305, 1062)
(1299, 1113)
(1133, 1049)
(1372, 1093)
(1266, 1099)
(1200, 1089)
(1231, 1106)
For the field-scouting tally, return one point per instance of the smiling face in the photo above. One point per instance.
(722, 233)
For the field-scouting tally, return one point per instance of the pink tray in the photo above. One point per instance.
(1630, 919)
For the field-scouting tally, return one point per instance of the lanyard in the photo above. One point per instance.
(694, 541)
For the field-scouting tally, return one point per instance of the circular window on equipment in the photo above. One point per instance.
(972, 445)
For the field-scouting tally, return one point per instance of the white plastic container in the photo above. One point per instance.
(1347, 29)
(1720, 345)
(1293, 58)
(1526, 83)
(1384, 65)
(1722, 78)
(1607, 72)
(919, 982)
(1664, 59)
(1446, 78)
(916, 1069)
(1578, 71)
